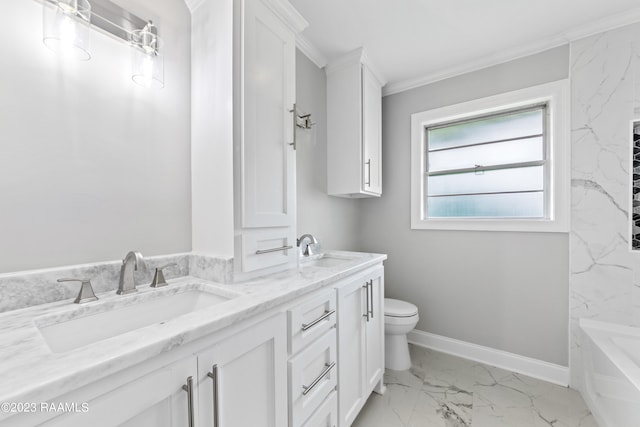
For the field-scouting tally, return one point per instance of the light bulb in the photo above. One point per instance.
(147, 71)
(67, 35)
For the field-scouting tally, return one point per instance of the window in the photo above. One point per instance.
(498, 163)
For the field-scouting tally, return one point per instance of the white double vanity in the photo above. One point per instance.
(303, 347)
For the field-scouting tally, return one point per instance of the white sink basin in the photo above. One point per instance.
(132, 313)
(325, 261)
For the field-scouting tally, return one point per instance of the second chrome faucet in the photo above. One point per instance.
(130, 263)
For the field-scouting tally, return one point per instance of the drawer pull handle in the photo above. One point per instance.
(189, 389)
(267, 251)
(370, 283)
(294, 144)
(307, 389)
(368, 182)
(214, 376)
(326, 314)
(367, 314)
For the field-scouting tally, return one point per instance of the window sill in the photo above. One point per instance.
(517, 225)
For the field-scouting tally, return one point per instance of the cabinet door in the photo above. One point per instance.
(154, 400)
(249, 384)
(351, 350)
(375, 331)
(372, 132)
(268, 159)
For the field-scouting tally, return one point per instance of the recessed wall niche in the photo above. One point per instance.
(635, 221)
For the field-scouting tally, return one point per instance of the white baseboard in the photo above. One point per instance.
(535, 368)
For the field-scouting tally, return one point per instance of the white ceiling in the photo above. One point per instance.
(414, 42)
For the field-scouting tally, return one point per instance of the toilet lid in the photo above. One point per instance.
(397, 308)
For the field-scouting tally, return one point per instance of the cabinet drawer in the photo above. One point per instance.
(311, 319)
(263, 248)
(327, 413)
(312, 376)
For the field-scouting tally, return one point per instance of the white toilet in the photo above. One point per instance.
(400, 317)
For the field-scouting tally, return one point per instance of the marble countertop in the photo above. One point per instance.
(31, 372)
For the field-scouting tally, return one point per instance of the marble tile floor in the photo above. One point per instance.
(441, 390)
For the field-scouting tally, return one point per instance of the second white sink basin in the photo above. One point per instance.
(325, 261)
(113, 318)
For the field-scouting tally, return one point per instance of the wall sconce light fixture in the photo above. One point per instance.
(67, 26)
(148, 64)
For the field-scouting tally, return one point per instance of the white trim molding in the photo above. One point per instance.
(193, 5)
(556, 95)
(475, 65)
(310, 50)
(605, 24)
(288, 14)
(535, 368)
(358, 55)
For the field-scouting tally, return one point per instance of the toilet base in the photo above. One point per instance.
(396, 352)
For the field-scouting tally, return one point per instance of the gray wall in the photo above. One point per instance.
(333, 220)
(92, 165)
(503, 290)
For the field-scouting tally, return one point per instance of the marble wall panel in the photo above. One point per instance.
(605, 99)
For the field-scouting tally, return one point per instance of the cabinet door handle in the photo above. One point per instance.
(214, 377)
(367, 311)
(368, 181)
(370, 283)
(326, 314)
(189, 389)
(266, 251)
(294, 112)
(327, 368)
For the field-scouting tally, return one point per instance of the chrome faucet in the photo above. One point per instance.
(309, 248)
(130, 264)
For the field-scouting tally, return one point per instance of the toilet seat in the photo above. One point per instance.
(397, 308)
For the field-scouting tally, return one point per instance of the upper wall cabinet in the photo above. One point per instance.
(354, 130)
(264, 154)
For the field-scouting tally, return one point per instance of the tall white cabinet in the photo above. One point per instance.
(243, 78)
(265, 163)
(354, 127)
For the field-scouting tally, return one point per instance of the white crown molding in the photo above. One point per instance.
(605, 24)
(468, 67)
(310, 50)
(288, 14)
(356, 56)
(535, 368)
(193, 5)
(282, 8)
(576, 33)
(374, 70)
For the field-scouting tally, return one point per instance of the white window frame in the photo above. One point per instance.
(556, 96)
